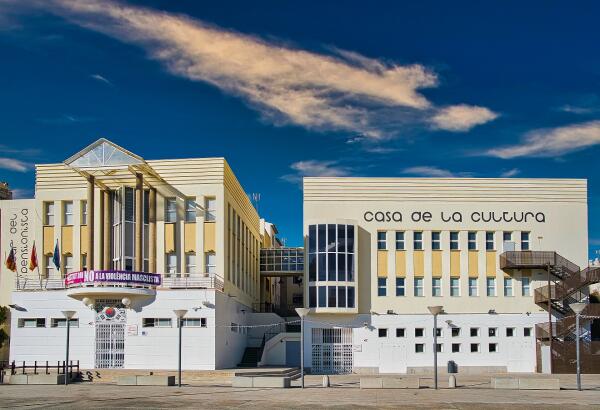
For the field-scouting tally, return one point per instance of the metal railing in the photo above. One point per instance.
(193, 281)
(566, 325)
(537, 260)
(38, 368)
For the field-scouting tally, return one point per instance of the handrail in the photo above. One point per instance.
(536, 259)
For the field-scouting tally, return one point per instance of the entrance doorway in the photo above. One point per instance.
(111, 319)
(331, 351)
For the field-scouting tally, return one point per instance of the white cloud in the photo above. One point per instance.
(433, 172)
(342, 91)
(552, 142)
(510, 173)
(100, 78)
(315, 168)
(19, 193)
(14, 165)
(461, 117)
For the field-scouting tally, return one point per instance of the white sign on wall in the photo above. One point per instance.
(132, 330)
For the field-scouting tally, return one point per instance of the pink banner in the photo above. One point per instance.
(115, 276)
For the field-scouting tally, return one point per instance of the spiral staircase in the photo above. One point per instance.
(567, 284)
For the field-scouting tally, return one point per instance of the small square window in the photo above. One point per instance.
(493, 347)
(400, 332)
(474, 347)
(455, 331)
(474, 331)
(419, 348)
(455, 347)
(510, 331)
(527, 332)
(492, 331)
(419, 332)
(438, 347)
(382, 332)
(438, 332)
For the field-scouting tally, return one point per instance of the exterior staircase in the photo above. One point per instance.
(251, 357)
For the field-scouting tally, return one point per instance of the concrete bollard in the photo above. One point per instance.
(325, 381)
(452, 382)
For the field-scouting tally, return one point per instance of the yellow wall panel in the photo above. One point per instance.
(436, 263)
(419, 263)
(209, 237)
(382, 263)
(473, 264)
(66, 240)
(455, 264)
(189, 237)
(490, 263)
(48, 240)
(83, 239)
(169, 237)
(401, 264)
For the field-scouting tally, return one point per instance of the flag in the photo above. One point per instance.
(33, 262)
(11, 261)
(56, 256)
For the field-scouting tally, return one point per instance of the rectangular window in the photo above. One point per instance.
(68, 263)
(156, 322)
(351, 296)
(171, 263)
(419, 347)
(474, 332)
(37, 322)
(400, 288)
(400, 332)
(210, 262)
(492, 331)
(489, 241)
(382, 240)
(527, 332)
(455, 331)
(438, 331)
(170, 210)
(190, 262)
(190, 209)
(84, 262)
(49, 266)
(48, 213)
(382, 332)
(510, 331)
(341, 297)
(491, 286)
(331, 299)
(438, 347)
(322, 296)
(472, 240)
(473, 288)
(62, 322)
(474, 347)
(193, 322)
(418, 288)
(436, 287)
(524, 241)
(419, 332)
(526, 286)
(210, 209)
(435, 241)
(493, 347)
(508, 287)
(455, 347)
(454, 240)
(381, 286)
(68, 213)
(507, 236)
(312, 296)
(454, 287)
(418, 241)
(84, 212)
(399, 240)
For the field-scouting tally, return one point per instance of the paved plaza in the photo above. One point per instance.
(473, 393)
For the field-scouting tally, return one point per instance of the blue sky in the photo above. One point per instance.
(309, 88)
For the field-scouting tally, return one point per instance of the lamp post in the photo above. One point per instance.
(435, 310)
(68, 314)
(577, 308)
(180, 313)
(302, 312)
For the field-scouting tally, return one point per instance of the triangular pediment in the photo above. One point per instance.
(103, 154)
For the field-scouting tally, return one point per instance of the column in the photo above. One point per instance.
(139, 223)
(152, 229)
(91, 220)
(107, 234)
(101, 230)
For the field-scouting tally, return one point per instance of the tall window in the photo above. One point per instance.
(170, 210)
(435, 241)
(190, 210)
(454, 287)
(489, 241)
(381, 240)
(400, 287)
(68, 263)
(472, 240)
(48, 213)
(68, 213)
(418, 241)
(526, 286)
(381, 286)
(524, 241)
(400, 240)
(454, 240)
(418, 288)
(190, 262)
(210, 262)
(84, 261)
(49, 266)
(436, 287)
(210, 205)
(84, 212)
(171, 263)
(473, 288)
(508, 287)
(491, 286)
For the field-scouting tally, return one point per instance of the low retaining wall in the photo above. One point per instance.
(262, 381)
(146, 380)
(37, 379)
(389, 383)
(525, 383)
